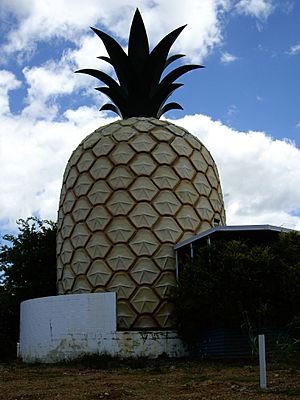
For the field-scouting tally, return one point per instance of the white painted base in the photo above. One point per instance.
(59, 328)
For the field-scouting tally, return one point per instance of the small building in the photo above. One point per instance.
(225, 342)
(256, 234)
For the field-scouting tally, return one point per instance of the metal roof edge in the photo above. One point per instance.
(232, 228)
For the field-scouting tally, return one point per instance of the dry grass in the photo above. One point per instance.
(157, 380)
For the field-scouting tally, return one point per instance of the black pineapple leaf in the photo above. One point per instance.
(138, 50)
(141, 90)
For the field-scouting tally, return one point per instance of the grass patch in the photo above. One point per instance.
(292, 392)
(243, 379)
(93, 361)
(190, 379)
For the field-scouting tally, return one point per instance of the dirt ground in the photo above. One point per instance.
(156, 380)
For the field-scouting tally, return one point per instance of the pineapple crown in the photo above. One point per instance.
(141, 90)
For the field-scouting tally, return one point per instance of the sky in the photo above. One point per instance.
(244, 105)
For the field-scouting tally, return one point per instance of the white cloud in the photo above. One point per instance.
(230, 116)
(8, 82)
(40, 21)
(294, 50)
(260, 175)
(90, 47)
(260, 9)
(33, 155)
(45, 82)
(227, 58)
(204, 30)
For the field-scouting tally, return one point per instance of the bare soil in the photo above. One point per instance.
(141, 379)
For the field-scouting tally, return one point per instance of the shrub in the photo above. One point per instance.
(227, 281)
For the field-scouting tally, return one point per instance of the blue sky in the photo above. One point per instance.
(244, 106)
(261, 86)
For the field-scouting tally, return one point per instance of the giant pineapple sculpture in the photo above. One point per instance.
(134, 188)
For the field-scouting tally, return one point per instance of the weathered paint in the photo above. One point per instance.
(58, 328)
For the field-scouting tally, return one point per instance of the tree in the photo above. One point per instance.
(230, 281)
(28, 267)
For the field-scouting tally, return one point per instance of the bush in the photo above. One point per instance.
(28, 267)
(228, 282)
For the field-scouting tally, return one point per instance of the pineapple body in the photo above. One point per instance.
(131, 190)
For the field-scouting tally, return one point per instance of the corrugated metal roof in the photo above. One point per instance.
(232, 228)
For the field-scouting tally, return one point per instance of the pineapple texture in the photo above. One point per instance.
(131, 191)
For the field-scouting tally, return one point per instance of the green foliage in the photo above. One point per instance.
(28, 268)
(230, 281)
(287, 349)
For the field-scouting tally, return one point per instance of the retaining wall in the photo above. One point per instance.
(59, 328)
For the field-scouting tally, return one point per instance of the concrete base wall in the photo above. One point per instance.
(59, 328)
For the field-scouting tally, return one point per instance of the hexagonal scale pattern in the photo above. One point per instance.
(103, 147)
(144, 243)
(85, 161)
(143, 189)
(80, 262)
(101, 168)
(143, 142)
(166, 203)
(122, 153)
(182, 147)
(81, 209)
(204, 209)
(165, 257)
(120, 203)
(71, 177)
(167, 230)
(68, 203)
(68, 278)
(99, 193)
(143, 215)
(165, 177)
(99, 274)
(188, 219)
(145, 300)
(125, 314)
(122, 284)
(80, 235)
(165, 284)
(120, 257)
(164, 154)
(184, 168)
(83, 184)
(120, 178)
(145, 271)
(98, 246)
(120, 230)
(98, 218)
(145, 322)
(143, 164)
(67, 226)
(186, 193)
(81, 285)
(163, 315)
(131, 190)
